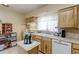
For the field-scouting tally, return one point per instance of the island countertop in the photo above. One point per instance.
(28, 47)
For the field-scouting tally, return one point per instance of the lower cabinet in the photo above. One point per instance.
(45, 44)
(33, 51)
(37, 38)
(75, 48)
(75, 51)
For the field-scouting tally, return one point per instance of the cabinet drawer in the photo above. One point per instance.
(76, 46)
(75, 51)
(46, 38)
(33, 36)
(36, 37)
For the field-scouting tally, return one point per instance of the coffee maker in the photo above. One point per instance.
(27, 38)
(63, 33)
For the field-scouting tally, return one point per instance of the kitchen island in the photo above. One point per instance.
(28, 48)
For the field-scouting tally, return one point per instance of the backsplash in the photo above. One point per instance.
(72, 33)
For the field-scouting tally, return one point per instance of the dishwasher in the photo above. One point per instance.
(61, 47)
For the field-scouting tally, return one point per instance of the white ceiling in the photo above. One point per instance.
(27, 8)
(24, 8)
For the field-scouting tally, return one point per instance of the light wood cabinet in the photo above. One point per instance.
(45, 43)
(75, 48)
(33, 51)
(68, 17)
(75, 51)
(39, 39)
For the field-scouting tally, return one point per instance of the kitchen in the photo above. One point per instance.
(53, 29)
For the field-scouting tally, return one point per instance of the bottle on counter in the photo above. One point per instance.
(30, 38)
(27, 39)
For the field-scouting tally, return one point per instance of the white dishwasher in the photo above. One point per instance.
(60, 47)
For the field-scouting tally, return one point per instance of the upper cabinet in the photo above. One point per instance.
(31, 19)
(68, 17)
(31, 24)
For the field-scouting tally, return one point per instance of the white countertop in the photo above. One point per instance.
(28, 47)
(70, 40)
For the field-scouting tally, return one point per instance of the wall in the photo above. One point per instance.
(72, 33)
(9, 16)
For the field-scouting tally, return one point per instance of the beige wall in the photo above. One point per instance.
(9, 16)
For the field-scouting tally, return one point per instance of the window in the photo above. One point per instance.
(48, 23)
(42, 23)
(52, 24)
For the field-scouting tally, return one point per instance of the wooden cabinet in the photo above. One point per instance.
(31, 19)
(68, 17)
(45, 43)
(38, 38)
(75, 51)
(33, 51)
(75, 48)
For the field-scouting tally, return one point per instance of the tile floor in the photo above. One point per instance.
(14, 50)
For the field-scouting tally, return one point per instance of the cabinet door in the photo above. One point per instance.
(34, 37)
(67, 17)
(75, 48)
(47, 45)
(44, 47)
(38, 38)
(75, 51)
(61, 21)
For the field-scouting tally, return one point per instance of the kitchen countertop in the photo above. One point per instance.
(28, 47)
(70, 40)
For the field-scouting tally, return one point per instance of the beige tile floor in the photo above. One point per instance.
(14, 50)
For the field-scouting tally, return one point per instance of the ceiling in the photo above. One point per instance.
(24, 8)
